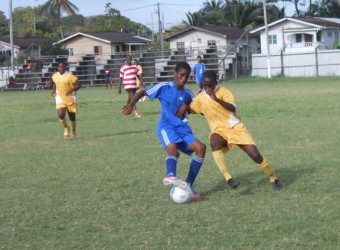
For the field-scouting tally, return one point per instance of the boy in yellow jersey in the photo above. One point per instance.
(139, 87)
(217, 104)
(65, 84)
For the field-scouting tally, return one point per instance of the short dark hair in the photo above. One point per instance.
(62, 62)
(183, 65)
(199, 57)
(210, 75)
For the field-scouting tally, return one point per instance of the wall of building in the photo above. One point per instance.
(192, 39)
(85, 46)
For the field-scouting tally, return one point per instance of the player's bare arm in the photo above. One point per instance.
(53, 91)
(228, 106)
(180, 113)
(127, 110)
(120, 86)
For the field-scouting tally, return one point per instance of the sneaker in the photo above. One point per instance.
(137, 114)
(174, 181)
(66, 132)
(233, 183)
(277, 185)
(194, 194)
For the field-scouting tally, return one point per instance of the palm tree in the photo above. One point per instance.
(195, 18)
(55, 8)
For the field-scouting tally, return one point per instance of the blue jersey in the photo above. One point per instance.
(171, 100)
(172, 129)
(199, 69)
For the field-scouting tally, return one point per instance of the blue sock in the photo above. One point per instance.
(171, 164)
(195, 166)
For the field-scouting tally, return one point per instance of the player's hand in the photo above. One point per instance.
(127, 109)
(180, 113)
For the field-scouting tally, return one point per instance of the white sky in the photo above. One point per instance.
(173, 11)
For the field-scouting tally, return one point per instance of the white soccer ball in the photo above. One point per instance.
(180, 195)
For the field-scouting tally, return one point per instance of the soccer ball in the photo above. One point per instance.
(180, 195)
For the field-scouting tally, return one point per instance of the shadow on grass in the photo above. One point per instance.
(124, 133)
(249, 184)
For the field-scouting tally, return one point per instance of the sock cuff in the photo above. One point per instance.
(218, 153)
(171, 157)
(264, 163)
(198, 159)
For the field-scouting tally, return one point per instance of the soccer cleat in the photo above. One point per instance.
(66, 132)
(194, 194)
(233, 183)
(137, 114)
(277, 185)
(174, 181)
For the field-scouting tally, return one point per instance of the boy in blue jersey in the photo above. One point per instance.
(174, 132)
(197, 73)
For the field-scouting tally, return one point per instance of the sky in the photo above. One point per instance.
(142, 11)
(172, 11)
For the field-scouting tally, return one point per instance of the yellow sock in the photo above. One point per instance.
(63, 123)
(73, 125)
(266, 167)
(222, 164)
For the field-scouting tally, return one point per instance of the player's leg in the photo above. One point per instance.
(263, 163)
(217, 142)
(72, 117)
(196, 163)
(168, 138)
(61, 115)
(131, 93)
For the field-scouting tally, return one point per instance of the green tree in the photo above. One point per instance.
(195, 18)
(55, 8)
(4, 30)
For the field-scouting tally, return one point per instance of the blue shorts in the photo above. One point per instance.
(107, 79)
(181, 136)
(199, 80)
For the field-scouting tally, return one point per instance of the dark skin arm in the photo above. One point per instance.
(228, 106)
(75, 88)
(127, 110)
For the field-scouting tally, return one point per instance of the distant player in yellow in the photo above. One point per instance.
(139, 87)
(65, 85)
(217, 104)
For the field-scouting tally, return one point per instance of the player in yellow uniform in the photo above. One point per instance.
(139, 87)
(65, 84)
(217, 104)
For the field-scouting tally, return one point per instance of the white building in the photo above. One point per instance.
(200, 37)
(303, 34)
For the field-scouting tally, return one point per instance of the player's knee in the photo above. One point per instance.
(257, 157)
(200, 149)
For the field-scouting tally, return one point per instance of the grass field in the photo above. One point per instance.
(104, 190)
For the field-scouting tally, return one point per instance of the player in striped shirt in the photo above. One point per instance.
(128, 75)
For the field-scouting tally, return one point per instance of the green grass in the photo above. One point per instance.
(104, 190)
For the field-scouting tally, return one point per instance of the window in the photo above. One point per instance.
(298, 38)
(329, 33)
(336, 34)
(97, 50)
(232, 41)
(70, 52)
(117, 48)
(211, 42)
(199, 40)
(272, 39)
(180, 45)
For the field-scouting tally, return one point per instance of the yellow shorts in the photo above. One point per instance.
(70, 108)
(237, 135)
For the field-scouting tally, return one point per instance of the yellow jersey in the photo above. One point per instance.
(140, 69)
(218, 117)
(64, 83)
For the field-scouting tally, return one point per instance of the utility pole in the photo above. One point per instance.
(160, 29)
(11, 34)
(267, 41)
(152, 32)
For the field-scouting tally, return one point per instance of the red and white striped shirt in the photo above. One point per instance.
(128, 74)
